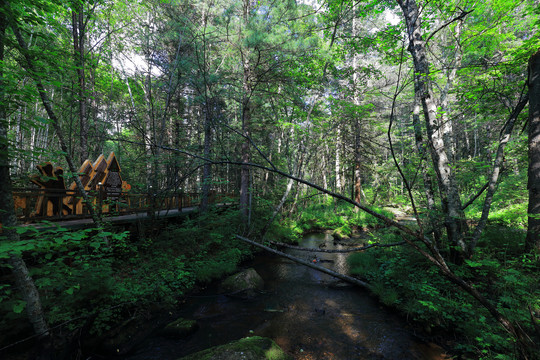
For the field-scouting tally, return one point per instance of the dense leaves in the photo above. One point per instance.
(184, 91)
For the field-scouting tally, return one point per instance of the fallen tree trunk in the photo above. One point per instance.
(340, 276)
(360, 248)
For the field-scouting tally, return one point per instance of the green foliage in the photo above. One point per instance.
(509, 206)
(79, 274)
(402, 278)
(208, 242)
(288, 230)
(362, 264)
(338, 216)
(73, 270)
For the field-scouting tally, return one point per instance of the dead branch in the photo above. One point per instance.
(340, 276)
(361, 248)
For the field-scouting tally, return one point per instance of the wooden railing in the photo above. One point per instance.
(39, 204)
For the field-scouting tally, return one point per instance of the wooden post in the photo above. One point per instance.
(100, 198)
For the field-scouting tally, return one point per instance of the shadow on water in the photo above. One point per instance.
(311, 315)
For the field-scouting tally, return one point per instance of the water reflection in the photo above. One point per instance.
(299, 310)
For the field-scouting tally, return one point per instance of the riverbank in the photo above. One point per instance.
(307, 313)
(164, 274)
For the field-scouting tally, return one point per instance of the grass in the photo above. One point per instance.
(403, 279)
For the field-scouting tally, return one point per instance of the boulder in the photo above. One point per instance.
(180, 328)
(250, 348)
(246, 283)
(340, 234)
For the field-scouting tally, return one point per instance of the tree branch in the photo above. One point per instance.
(474, 197)
(307, 263)
(506, 131)
(459, 17)
(339, 251)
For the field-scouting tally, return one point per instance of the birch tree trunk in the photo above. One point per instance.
(428, 185)
(455, 223)
(446, 122)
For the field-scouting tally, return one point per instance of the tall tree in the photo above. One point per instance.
(455, 224)
(78, 26)
(30, 66)
(8, 232)
(246, 109)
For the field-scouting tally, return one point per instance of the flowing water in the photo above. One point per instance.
(309, 314)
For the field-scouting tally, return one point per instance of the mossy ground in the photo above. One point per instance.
(250, 348)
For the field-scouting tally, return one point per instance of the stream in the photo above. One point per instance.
(309, 314)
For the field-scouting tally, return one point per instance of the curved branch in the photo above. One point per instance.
(389, 133)
(459, 17)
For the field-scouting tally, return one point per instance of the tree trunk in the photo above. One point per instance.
(357, 178)
(428, 185)
(245, 171)
(246, 121)
(339, 183)
(23, 281)
(495, 172)
(209, 110)
(455, 223)
(55, 122)
(207, 168)
(446, 122)
(78, 31)
(533, 234)
(358, 192)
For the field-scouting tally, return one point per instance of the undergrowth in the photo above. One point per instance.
(336, 215)
(83, 279)
(402, 278)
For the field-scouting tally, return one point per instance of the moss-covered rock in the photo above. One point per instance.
(179, 328)
(341, 233)
(250, 348)
(246, 282)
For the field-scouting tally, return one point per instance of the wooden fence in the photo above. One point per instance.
(50, 204)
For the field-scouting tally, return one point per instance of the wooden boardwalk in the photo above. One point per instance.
(120, 219)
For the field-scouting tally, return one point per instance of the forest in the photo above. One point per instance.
(407, 130)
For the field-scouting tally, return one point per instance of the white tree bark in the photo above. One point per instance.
(451, 204)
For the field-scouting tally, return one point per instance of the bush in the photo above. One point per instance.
(79, 274)
(403, 279)
(333, 215)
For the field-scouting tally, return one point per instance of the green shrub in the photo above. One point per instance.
(362, 264)
(333, 215)
(79, 274)
(404, 279)
(512, 215)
